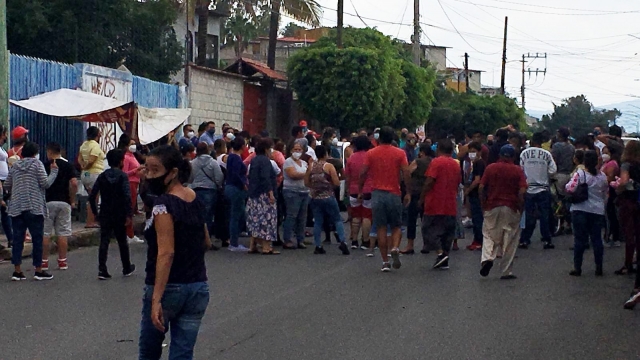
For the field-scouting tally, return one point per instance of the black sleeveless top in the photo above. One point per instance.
(189, 240)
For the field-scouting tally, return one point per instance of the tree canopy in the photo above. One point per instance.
(291, 28)
(138, 34)
(579, 115)
(370, 82)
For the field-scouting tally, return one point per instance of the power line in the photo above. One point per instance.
(358, 15)
(456, 29)
(554, 13)
(547, 7)
(406, 6)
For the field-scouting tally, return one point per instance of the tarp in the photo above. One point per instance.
(70, 103)
(155, 123)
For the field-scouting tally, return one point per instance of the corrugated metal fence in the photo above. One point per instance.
(153, 94)
(30, 77)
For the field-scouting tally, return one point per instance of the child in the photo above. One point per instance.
(115, 212)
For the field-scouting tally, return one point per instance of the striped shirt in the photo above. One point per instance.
(27, 183)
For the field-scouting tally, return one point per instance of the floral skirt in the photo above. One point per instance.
(262, 218)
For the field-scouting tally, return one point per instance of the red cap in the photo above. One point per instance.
(303, 123)
(18, 132)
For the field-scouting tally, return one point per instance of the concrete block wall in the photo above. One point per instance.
(215, 96)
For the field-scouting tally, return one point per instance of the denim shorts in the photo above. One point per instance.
(387, 209)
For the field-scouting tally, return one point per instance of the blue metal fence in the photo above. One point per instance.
(153, 94)
(30, 77)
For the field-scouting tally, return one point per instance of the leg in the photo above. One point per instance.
(530, 220)
(383, 243)
(511, 234)
(477, 218)
(301, 217)
(318, 222)
(595, 225)
(333, 212)
(580, 235)
(235, 210)
(449, 233)
(35, 224)
(627, 221)
(133, 188)
(19, 230)
(490, 232)
(412, 219)
(6, 225)
(150, 342)
(63, 230)
(121, 236)
(544, 204)
(49, 222)
(184, 328)
(103, 252)
(293, 209)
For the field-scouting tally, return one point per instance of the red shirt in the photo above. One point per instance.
(502, 182)
(441, 200)
(352, 173)
(384, 163)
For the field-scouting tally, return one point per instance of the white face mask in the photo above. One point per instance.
(334, 141)
(133, 148)
(191, 134)
(296, 155)
(230, 136)
(472, 156)
(376, 136)
(606, 157)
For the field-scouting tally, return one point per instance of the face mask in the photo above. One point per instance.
(334, 141)
(157, 185)
(230, 136)
(411, 142)
(472, 156)
(305, 130)
(296, 155)
(376, 136)
(211, 131)
(191, 134)
(403, 136)
(133, 148)
(606, 157)
(596, 132)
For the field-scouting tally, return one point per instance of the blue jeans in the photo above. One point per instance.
(237, 199)
(477, 217)
(208, 198)
(587, 226)
(183, 306)
(540, 203)
(35, 224)
(329, 208)
(296, 217)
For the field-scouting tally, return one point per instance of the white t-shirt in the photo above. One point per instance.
(312, 153)
(291, 184)
(220, 162)
(599, 144)
(4, 166)
(537, 164)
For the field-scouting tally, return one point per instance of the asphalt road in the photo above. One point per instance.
(304, 306)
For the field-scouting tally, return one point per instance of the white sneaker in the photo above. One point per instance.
(135, 240)
(467, 223)
(239, 248)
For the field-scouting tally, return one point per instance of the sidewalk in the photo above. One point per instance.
(81, 238)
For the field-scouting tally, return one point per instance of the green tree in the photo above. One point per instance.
(579, 115)
(244, 26)
(138, 34)
(291, 29)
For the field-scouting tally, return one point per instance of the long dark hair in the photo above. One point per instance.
(591, 162)
(171, 158)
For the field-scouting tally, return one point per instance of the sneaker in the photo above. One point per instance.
(18, 276)
(424, 251)
(344, 248)
(508, 277)
(395, 255)
(302, 246)
(42, 275)
(135, 240)
(599, 271)
(354, 245)
(365, 245)
(386, 267)
(474, 246)
(523, 246)
(62, 264)
(45, 265)
(319, 251)
(445, 265)
(129, 272)
(575, 273)
(486, 268)
(633, 300)
(441, 261)
(371, 253)
(103, 275)
(467, 223)
(239, 248)
(548, 246)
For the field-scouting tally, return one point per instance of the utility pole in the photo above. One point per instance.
(416, 32)
(530, 71)
(466, 72)
(4, 67)
(340, 22)
(504, 55)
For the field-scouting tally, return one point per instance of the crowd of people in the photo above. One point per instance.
(206, 186)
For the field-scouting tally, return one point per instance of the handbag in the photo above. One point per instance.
(581, 193)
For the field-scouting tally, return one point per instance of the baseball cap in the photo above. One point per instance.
(303, 123)
(508, 151)
(18, 132)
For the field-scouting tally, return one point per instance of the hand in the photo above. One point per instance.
(272, 200)
(127, 223)
(3, 204)
(407, 200)
(157, 317)
(54, 164)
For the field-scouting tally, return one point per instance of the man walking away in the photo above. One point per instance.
(477, 170)
(538, 165)
(563, 152)
(502, 192)
(27, 183)
(61, 196)
(439, 197)
(115, 213)
(383, 165)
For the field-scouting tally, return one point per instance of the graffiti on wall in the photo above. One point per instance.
(111, 88)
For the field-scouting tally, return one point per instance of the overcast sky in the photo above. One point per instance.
(588, 44)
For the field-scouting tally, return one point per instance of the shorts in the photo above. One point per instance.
(387, 209)
(88, 180)
(59, 219)
(361, 208)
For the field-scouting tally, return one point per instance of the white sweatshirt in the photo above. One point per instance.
(537, 164)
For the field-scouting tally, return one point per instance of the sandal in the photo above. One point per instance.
(289, 246)
(271, 252)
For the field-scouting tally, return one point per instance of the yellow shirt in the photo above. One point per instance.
(547, 145)
(92, 148)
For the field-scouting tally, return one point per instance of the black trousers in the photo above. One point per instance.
(107, 228)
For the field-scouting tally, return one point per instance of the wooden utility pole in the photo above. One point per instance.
(4, 67)
(340, 22)
(273, 33)
(466, 72)
(416, 32)
(522, 87)
(504, 56)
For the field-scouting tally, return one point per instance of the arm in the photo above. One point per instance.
(363, 177)
(291, 172)
(406, 172)
(166, 251)
(573, 183)
(124, 181)
(307, 175)
(73, 190)
(552, 167)
(474, 184)
(622, 184)
(331, 170)
(89, 164)
(46, 181)
(218, 176)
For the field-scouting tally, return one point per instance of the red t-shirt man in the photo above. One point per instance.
(385, 163)
(502, 182)
(441, 199)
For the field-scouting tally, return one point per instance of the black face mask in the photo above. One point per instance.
(157, 185)
(490, 142)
